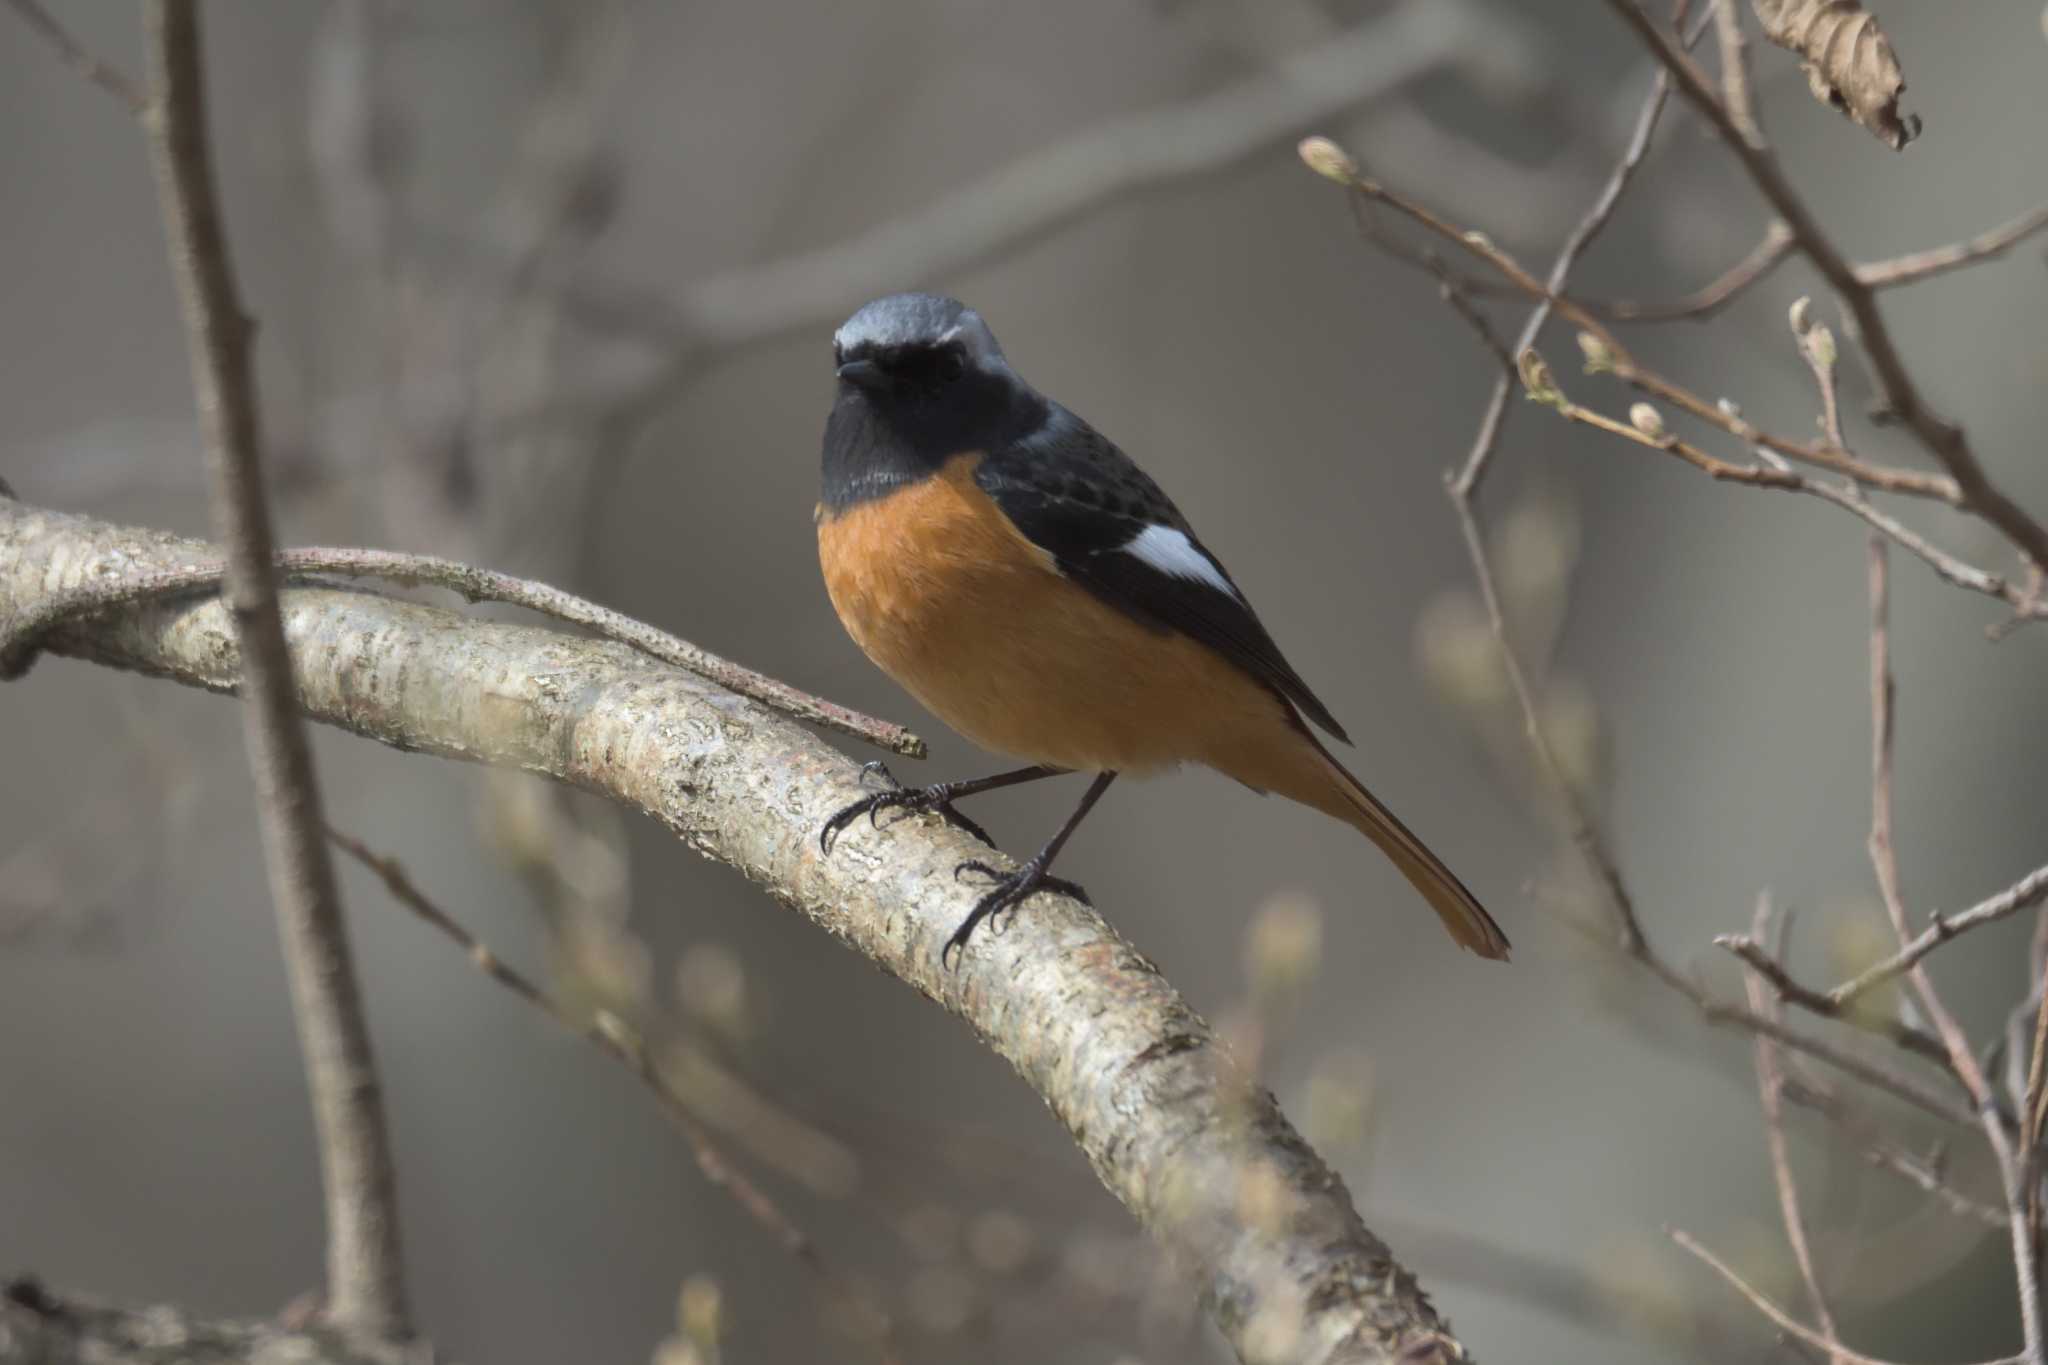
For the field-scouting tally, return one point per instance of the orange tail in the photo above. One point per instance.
(1314, 778)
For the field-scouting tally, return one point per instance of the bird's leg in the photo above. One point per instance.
(1010, 888)
(939, 796)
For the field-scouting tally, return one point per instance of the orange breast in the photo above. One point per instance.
(953, 602)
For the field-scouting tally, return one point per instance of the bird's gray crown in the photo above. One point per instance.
(917, 319)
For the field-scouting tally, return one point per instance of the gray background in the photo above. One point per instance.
(1299, 394)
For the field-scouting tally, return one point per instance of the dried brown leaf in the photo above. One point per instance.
(1849, 62)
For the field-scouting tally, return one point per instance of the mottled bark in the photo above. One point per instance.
(1201, 1156)
(39, 1327)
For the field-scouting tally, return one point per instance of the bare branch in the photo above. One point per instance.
(1735, 68)
(78, 57)
(1038, 192)
(1778, 475)
(1590, 841)
(1963, 1059)
(20, 637)
(1783, 1320)
(1928, 1173)
(615, 1038)
(1770, 1084)
(1156, 1103)
(1776, 244)
(1920, 265)
(1617, 360)
(1789, 990)
(1590, 226)
(365, 1271)
(2028, 891)
(1942, 438)
(47, 1328)
(1702, 303)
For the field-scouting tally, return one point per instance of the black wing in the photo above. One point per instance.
(1073, 492)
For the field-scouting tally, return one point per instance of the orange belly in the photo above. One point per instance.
(954, 603)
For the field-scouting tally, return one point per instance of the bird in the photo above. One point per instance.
(1021, 577)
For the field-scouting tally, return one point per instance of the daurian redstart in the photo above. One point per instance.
(1028, 583)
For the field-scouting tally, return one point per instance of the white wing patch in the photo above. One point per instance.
(1171, 552)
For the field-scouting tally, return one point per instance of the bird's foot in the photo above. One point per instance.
(910, 800)
(1006, 891)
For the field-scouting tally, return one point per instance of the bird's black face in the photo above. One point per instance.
(921, 380)
(908, 378)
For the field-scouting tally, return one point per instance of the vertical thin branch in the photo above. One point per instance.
(365, 1281)
(1770, 1084)
(1735, 71)
(1884, 863)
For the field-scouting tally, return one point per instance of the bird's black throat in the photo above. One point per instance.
(883, 438)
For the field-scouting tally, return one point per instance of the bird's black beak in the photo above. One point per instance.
(864, 374)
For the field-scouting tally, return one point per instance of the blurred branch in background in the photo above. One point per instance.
(617, 1039)
(1199, 1154)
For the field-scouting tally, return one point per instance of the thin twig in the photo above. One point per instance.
(1920, 265)
(2028, 891)
(1778, 475)
(19, 638)
(616, 1038)
(77, 56)
(1792, 992)
(1942, 438)
(1776, 244)
(1735, 69)
(1783, 1320)
(1711, 298)
(1884, 863)
(365, 1270)
(1617, 360)
(1770, 1084)
(1589, 227)
(1580, 824)
(1929, 1174)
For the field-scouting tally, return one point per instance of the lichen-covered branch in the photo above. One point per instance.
(1168, 1120)
(41, 1327)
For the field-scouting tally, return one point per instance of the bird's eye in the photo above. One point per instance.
(952, 363)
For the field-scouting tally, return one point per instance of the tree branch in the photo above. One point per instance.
(40, 1327)
(365, 1271)
(1885, 865)
(1942, 438)
(1165, 1115)
(19, 638)
(1770, 1084)
(76, 56)
(622, 1043)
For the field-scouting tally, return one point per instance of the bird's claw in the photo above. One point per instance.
(910, 800)
(1007, 890)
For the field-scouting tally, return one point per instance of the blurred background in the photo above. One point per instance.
(550, 287)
